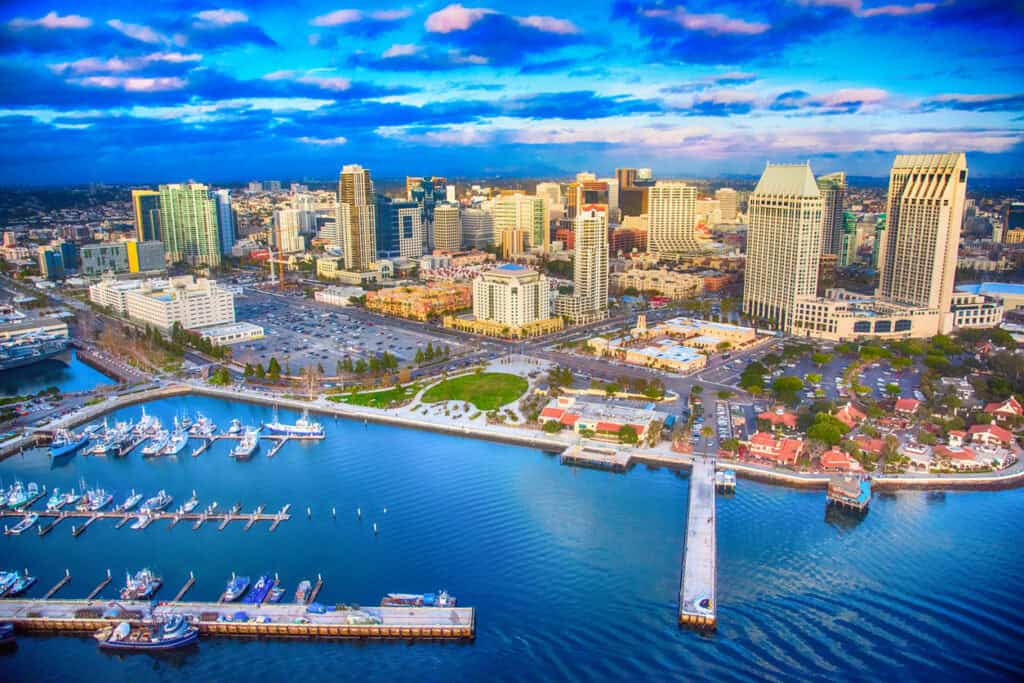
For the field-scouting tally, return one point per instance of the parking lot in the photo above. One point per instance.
(304, 333)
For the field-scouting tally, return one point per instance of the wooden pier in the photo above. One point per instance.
(698, 607)
(598, 457)
(316, 590)
(48, 527)
(103, 584)
(79, 529)
(280, 620)
(184, 589)
(60, 584)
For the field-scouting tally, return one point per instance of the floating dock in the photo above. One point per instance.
(78, 617)
(84, 518)
(698, 606)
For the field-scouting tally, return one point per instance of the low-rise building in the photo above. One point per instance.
(662, 282)
(974, 311)
(991, 435)
(232, 333)
(779, 417)
(420, 302)
(781, 451)
(850, 415)
(1006, 410)
(836, 460)
(192, 302)
(907, 406)
(598, 420)
(338, 295)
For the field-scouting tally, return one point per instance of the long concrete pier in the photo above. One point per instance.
(698, 606)
(284, 620)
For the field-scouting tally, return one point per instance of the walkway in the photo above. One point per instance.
(698, 605)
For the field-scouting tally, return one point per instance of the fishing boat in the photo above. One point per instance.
(142, 586)
(186, 421)
(303, 427)
(71, 498)
(157, 445)
(276, 593)
(158, 502)
(190, 504)
(170, 635)
(65, 443)
(18, 585)
(203, 427)
(260, 590)
(439, 599)
(56, 501)
(131, 501)
(235, 427)
(7, 638)
(97, 499)
(19, 496)
(147, 424)
(7, 580)
(25, 524)
(302, 592)
(178, 441)
(140, 522)
(236, 588)
(244, 449)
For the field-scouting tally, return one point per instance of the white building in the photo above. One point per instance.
(161, 303)
(288, 228)
(338, 295)
(589, 300)
(511, 295)
(552, 195)
(477, 229)
(727, 203)
(975, 311)
(356, 222)
(671, 219)
(232, 333)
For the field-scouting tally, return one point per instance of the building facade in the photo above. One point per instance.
(477, 228)
(589, 300)
(728, 203)
(447, 227)
(188, 224)
(511, 296)
(146, 208)
(833, 197)
(671, 219)
(399, 225)
(226, 230)
(522, 222)
(662, 282)
(357, 217)
(192, 302)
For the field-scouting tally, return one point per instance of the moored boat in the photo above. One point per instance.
(56, 501)
(65, 443)
(158, 502)
(174, 633)
(247, 446)
(236, 588)
(147, 424)
(303, 427)
(18, 585)
(97, 499)
(302, 592)
(7, 634)
(140, 522)
(260, 590)
(190, 504)
(177, 442)
(203, 427)
(131, 501)
(157, 444)
(276, 593)
(24, 525)
(235, 427)
(142, 586)
(439, 599)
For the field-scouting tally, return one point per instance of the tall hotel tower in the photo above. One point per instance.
(357, 217)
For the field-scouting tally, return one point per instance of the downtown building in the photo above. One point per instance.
(226, 229)
(521, 221)
(188, 224)
(447, 227)
(356, 223)
(146, 210)
(672, 220)
(127, 256)
(728, 204)
(477, 228)
(193, 303)
(833, 196)
(589, 300)
(399, 226)
(509, 301)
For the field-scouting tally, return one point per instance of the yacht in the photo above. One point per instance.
(158, 502)
(178, 441)
(131, 501)
(247, 446)
(157, 445)
(303, 427)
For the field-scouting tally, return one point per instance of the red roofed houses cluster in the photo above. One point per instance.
(779, 416)
(869, 445)
(764, 446)
(990, 435)
(962, 458)
(850, 415)
(1011, 407)
(907, 406)
(835, 460)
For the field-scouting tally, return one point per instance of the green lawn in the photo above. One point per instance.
(487, 391)
(378, 399)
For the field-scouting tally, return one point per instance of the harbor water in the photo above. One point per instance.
(574, 572)
(68, 377)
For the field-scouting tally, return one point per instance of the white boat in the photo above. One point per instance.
(26, 522)
(190, 504)
(147, 424)
(178, 441)
(140, 522)
(236, 426)
(203, 427)
(247, 446)
(131, 501)
(303, 427)
(157, 444)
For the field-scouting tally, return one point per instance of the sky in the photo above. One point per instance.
(132, 92)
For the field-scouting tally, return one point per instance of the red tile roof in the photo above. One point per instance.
(1010, 405)
(554, 413)
(850, 415)
(996, 431)
(776, 418)
(783, 451)
(873, 446)
(570, 419)
(837, 459)
(608, 427)
(907, 405)
(954, 453)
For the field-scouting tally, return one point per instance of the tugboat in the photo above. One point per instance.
(259, 591)
(157, 445)
(235, 589)
(131, 501)
(441, 599)
(172, 634)
(17, 585)
(302, 592)
(24, 525)
(158, 502)
(303, 427)
(247, 446)
(65, 443)
(142, 586)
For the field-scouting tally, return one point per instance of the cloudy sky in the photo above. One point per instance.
(142, 92)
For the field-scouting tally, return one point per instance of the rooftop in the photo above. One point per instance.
(794, 180)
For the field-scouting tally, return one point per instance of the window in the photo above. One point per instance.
(862, 326)
(883, 326)
(903, 325)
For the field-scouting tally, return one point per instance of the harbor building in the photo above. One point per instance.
(589, 300)
(146, 209)
(599, 421)
(194, 303)
(671, 219)
(783, 243)
(357, 217)
(509, 301)
(188, 224)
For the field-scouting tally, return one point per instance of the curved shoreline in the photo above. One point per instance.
(513, 435)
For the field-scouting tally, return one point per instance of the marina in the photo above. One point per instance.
(88, 517)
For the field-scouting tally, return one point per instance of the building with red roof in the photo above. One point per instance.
(835, 460)
(990, 435)
(850, 415)
(779, 416)
(784, 451)
(604, 421)
(1011, 407)
(963, 458)
(869, 445)
(908, 406)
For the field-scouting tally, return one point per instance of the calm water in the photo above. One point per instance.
(52, 373)
(574, 573)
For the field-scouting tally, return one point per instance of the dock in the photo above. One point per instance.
(103, 584)
(280, 620)
(48, 527)
(87, 517)
(184, 589)
(698, 606)
(316, 590)
(60, 584)
(597, 457)
(278, 446)
(79, 529)
(849, 492)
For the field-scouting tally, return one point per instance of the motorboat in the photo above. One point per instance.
(131, 501)
(142, 586)
(235, 427)
(439, 599)
(177, 442)
(24, 525)
(171, 634)
(18, 584)
(158, 502)
(66, 443)
(157, 444)
(190, 504)
(260, 590)
(303, 427)
(236, 588)
(244, 449)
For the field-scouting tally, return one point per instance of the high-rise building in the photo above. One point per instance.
(1013, 220)
(287, 235)
(880, 222)
(511, 295)
(399, 228)
(626, 178)
(356, 217)
(447, 227)
(589, 300)
(671, 219)
(146, 207)
(272, 186)
(51, 262)
(225, 220)
(727, 203)
(449, 194)
(552, 194)
(925, 213)
(10, 239)
(188, 224)
(477, 228)
(833, 196)
(848, 241)
(521, 221)
(783, 243)
(612, 195)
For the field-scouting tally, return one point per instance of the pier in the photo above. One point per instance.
(598, 457)
(698, 607)
(316, 590)
(184, 589)
(60, 584)
(87, 518)
(103, 584)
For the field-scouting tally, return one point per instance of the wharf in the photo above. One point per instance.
(281, 620)
(697, 588)
(614, 459)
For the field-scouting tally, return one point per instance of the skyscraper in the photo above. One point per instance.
(477, 228)
(1013, 220)
(783, 243)
(847, 238)
(880, 222)
(521, 221)
(357, 217)
(188, 224)
(671, 217)
(399, 228)
(447, 227)
(589, 300)
(626, 178)
(552, 194)
(225, 220)
(925, 212)
(727, 203)
(146, 206)
(51, 262)
(833, 196)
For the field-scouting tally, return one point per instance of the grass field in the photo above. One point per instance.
(487, 391)
(378, 399)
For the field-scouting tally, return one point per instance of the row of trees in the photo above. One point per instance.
(373, 365)
(431, 353)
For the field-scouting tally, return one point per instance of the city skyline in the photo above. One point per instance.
(116, 93)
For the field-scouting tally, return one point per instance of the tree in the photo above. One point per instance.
(814, 378)
(821, 358)
(787, 388)
(220, 377)
(731, 444)
(339, 368)
(360, 366)
(259, 371)
(927, 438)
(936, 361)
(771, 359)
(696, 389)
(274, 369)
(827, 429)
(725, 394)
(552, 426)
(707, 432)
(901, 363)
(611, 389)
(248, 372)
(893, 389)
(627, 434)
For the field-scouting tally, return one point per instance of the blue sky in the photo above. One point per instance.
(144, 92)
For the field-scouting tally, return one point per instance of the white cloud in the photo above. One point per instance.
(549, 24)
(713, 23)
(222, 17)
(341, 17)
(335, 83)
(323, 142)
(401, 50)
(52, 21)
(120, 65)
(139, 32)
(132, 84)
(455, 18)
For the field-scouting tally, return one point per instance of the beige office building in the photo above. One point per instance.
(727, 203)
(783, 243)
(447, 227)
(671, 219)
(521, 221)
(662, 282)
(357, 217)
(917, 259)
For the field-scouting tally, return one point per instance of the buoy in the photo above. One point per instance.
(385, 511)
(309, 511)
(375, 528)
(334, 513)
(359, 513)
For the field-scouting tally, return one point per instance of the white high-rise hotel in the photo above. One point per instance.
(783, 243)
(671, 218)
(589, 300)
(357, 217)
